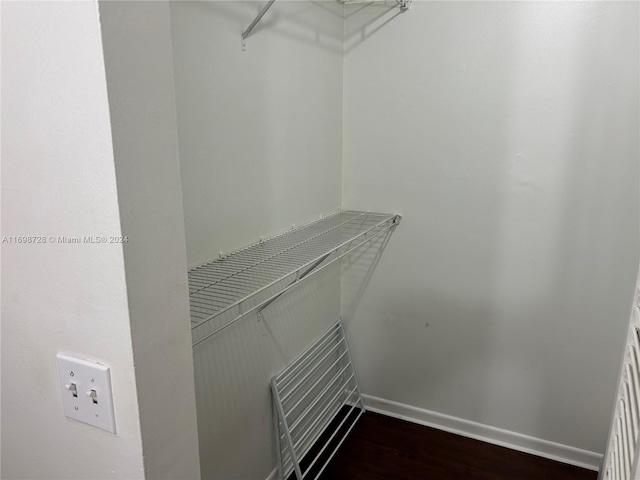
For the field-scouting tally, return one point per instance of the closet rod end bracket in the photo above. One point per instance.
(404, 5)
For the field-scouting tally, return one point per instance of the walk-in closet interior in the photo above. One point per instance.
(422, 209)
(506, 136)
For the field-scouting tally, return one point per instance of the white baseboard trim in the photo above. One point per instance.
(486, 433)
(273, 475)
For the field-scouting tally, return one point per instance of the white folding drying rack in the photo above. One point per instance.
(317, 402)
(622, 457)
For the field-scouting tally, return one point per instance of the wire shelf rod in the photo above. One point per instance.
(224, 271)
(284, 235)
(303, 359)
(317, 457)
(335, 450)
(230, 272)
(258, 275)
(232, 286)
(315, 367)
(329, 400)
(214, 297)
(297, 245)
(283, 384)
(333, 397)
(278, 245)
(283, 420)
(253, 262)
(299, 276)
(276, 434)
(392, 222)
(325, 417)
(634, 393)
(310, 407)
(346, 343)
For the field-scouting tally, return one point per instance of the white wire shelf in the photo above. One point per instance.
(224, 290)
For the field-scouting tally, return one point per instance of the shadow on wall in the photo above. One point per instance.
(357, 270)
(259, 131)
(295, 20)
(297, 24)
(365, 19)
(387, 362)
(578, 265)
(426, 323)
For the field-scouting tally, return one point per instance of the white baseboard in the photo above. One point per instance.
(486, 433)
(273, 475)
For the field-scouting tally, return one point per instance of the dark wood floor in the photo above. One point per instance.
(381, 447)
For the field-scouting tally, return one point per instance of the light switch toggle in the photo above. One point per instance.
(93, 395)
(72, 388)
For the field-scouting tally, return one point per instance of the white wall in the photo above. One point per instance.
(507, 135)
(59, 180)
(233, 371)
(137, 54)
(260, 136)
(260, 131)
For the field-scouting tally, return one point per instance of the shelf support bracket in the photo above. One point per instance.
(250, 28)
(404, 5)
(299, 276)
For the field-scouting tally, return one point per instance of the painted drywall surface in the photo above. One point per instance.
(59, 180)
(260, 149)
(137, 54)
(507, 135)
(233, 370)
(260, 131)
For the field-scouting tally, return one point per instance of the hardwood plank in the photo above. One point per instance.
(381, 447)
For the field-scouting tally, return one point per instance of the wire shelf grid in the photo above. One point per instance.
(247, 280)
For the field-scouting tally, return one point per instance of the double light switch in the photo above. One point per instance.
(86, 391)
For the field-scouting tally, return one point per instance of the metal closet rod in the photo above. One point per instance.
(403, 4)
(246, 33)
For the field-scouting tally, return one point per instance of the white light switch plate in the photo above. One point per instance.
(86, 391)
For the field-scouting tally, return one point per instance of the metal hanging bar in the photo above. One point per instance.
(299, 276)
(403, 4)
(246, 33)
